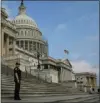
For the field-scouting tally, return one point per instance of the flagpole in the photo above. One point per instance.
(65, 56)
(66, 52)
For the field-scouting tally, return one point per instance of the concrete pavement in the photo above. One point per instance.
(54, 99)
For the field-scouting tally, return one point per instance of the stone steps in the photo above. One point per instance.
(35, 92)
(31, 85)
(25, 82)
(32, 88)
(35, 88)
(24, 96)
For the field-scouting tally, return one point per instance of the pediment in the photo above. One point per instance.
(66, 61)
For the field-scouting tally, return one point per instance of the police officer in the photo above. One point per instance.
(17, 79)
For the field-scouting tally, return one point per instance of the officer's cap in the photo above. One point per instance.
(17, 63)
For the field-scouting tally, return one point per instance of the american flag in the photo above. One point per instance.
(66, 51)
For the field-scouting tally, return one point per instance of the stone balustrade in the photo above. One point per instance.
(9, 24)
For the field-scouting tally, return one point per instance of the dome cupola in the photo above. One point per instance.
(22, 8)
(22, 19)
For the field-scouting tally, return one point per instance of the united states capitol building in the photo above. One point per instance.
(22, 41)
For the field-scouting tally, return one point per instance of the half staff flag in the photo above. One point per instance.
(66, 51)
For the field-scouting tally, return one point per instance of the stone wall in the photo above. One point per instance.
(54, 75)
(65, 75)
(70, 84)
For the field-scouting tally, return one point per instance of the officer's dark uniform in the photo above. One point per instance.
(17, 85)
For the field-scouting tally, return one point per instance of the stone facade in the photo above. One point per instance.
(8, 33)
(86, 80)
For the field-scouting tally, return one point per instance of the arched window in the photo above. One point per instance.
(25, 32)
(21, 43)
(21, 32)
(34, 45)
(17, 42)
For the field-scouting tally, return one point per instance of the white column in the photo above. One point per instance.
(48, 66)
(42, 48)
(90, 81)
(14, 43)
(39, 47)
(2, 43)
(36, 46)
(32, 46)
(7, 45)
(61, 75)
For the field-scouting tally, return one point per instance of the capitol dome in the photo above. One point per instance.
(23, 19)
(29, 37)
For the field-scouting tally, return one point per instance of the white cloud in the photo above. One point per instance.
(83, 66)
(75, 56)
(61, 27)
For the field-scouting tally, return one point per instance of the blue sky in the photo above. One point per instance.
(71, 25)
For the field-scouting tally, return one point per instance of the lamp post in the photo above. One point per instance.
(38, 66)
(38, 56)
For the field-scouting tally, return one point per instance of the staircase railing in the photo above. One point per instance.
(39, 74)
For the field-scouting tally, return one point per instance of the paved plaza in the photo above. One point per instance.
(94, 98)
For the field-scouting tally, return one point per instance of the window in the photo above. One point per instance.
(43, 48)
(45, 66)
(21, 44)
(10, 41)
(34, 45)
(17, 43)
(25, 32)
(26, 45)
(38, 46)
(30, 45)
